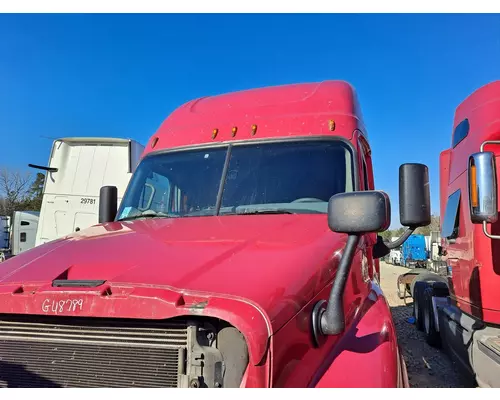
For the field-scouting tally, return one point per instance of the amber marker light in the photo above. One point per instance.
(473, 186)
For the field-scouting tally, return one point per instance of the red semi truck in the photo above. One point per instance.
(460, 308)
(243, 254)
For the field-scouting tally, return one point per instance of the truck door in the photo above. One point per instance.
(4, 232)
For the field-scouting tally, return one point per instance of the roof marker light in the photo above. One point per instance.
(234, 130)
(331, 125)
(254, 129)
(153, 143)
(214, 133)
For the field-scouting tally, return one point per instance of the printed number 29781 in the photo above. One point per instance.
(87, 200)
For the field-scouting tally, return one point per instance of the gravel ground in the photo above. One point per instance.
(427, 367)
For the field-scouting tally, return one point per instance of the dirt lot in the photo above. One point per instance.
(427, 367)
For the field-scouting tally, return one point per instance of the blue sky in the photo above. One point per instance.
(121, 75)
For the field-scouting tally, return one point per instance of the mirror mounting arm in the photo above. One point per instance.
(382, 248)
(331, 320)
(398, 242)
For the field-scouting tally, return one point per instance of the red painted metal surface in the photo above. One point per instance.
(475, 259)
(282, 111)
(261, 273)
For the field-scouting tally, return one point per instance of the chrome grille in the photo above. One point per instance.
(77, 352)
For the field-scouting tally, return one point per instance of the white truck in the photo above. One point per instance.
(19, 234)
(394, 257)
(435, 264)
(78, 168)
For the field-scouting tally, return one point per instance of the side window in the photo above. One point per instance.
(451, 221)
(23, 237)
(461, 132)
(24, 223)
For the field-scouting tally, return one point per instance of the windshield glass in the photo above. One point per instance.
(278, 177)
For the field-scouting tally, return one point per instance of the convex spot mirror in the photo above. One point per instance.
(359, 212)
(482, 179)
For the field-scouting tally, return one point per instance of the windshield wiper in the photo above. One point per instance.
(148, 215)
(263, 211)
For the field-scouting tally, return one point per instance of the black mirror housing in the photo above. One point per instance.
(108, 204)
(359, 212)
(414, 195)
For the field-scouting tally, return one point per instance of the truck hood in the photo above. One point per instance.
(275, 262)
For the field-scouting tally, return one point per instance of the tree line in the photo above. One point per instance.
(20, 191)
(424, 230)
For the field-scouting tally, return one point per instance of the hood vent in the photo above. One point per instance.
(77, 283)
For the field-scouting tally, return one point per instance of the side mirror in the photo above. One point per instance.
(414, 195)
(353, 213)
(108, 204)
(359, 212)
(483, 188)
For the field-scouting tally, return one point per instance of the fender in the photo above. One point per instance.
(367, 354)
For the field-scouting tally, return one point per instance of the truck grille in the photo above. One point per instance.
(77, 352)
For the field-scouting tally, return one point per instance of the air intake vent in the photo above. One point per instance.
(77, 352)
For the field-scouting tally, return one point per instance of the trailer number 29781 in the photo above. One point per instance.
(87, 200)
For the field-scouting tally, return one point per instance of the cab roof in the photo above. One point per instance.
(476, 120)
(278, 111)
(480, 97)
(478, 113)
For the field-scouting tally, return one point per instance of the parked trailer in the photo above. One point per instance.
(77, 169)
(204, 276)
(413, 252)
(459, 308)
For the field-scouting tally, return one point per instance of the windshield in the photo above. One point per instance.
(279, 177)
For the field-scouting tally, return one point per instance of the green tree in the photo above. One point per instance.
(18, 191)
(14, 187)
(433, 226)
(386, 235)
(36, 192)
(398, 232)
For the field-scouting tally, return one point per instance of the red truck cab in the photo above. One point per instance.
(462, 312)
(241, 255)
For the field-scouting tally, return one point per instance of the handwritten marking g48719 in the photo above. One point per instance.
(59, 306)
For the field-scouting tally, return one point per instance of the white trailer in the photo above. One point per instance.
(78, 168)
